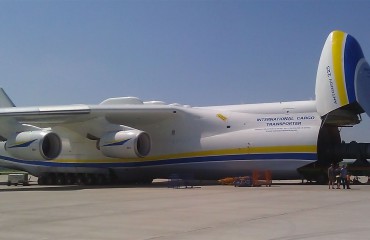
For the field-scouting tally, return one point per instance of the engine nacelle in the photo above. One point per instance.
(125, 144)
(34, 145)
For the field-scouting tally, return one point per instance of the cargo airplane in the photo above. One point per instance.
(126, 139)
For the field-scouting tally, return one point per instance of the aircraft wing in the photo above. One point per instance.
(15, 119)
(50, 115)
(77, 113)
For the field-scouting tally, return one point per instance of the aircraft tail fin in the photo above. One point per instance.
(343, 80)
(5, 101)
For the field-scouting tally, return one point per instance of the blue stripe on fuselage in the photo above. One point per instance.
(203, 159)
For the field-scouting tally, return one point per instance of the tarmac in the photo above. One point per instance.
(284, 211)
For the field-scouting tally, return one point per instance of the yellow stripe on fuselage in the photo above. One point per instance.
(219, 152)
(338, 56)
(285, 149)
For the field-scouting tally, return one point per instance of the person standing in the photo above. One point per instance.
(337, 175)
(331, 176)
(348, 179)
(343, 177)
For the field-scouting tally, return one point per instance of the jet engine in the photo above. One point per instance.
(34, 145)
(125, 144)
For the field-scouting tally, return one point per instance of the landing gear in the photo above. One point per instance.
(41, 180)
(80, 180)
(90, 179)
(50, 179)
(101, 179)
(314, 173)
(60, 179)
(70, 179)
(73, 179)
(47, 179)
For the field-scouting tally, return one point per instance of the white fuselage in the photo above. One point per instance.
(206, 142)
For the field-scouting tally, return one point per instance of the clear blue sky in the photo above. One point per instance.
(191, 52)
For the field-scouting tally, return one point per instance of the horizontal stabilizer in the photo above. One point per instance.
(343, 78)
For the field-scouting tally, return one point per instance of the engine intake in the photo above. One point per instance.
(33, 145)
(125, 144)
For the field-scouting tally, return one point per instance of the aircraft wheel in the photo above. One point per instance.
(60, 180)
(80, 180)
(69, 179)
(101, 179)
(89, 179)
(41, 180)
(50, 179)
